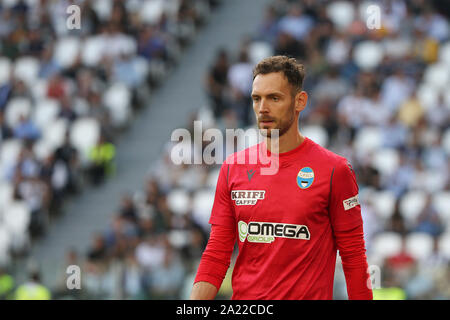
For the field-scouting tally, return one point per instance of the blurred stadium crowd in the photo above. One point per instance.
(378, 97)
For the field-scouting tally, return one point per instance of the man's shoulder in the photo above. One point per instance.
(326, 156)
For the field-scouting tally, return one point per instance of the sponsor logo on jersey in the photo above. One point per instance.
(247, 197)
(266, 232)
(305, 177)
(351, 202)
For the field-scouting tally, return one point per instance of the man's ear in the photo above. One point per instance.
(301, 99)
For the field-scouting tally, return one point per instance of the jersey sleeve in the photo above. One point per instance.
(345, 210)
(222, 212)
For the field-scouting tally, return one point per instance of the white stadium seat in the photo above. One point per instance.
(16, 108)
(43, 149)
(26, 69)
(441, 202)
(17, 218)
(9, 151)
(411, 205)
(211, 180)
(6, 196)
(259, 50)
(419, 245)
(384, 203)
(386, 161)
(437, 75)
(444, 245)
(368, 139)
(317, 134)
(341, 13)
(201, 207)
(386, 244)
(427, 95)
(446, 141)
(39, 89)
(179, 238)
(5, 70)
(151, 11)
(117, 99)
(368, 54)
(84, 135)
(66, 51)
(92, 52)
(55, 131)
(179, 201)
(45, 112)
(5, 241)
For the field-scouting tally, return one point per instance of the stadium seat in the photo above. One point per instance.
(117, 99)
(201, 207)
(5, 241)
(384, 203)
(427, 95)
(368, 139)
(45, 112)
(446, 141)
(441, 202)
(26, 69)
(444, 245)
(341, 13)
(92, 51)
(368, 55)
(151, 11)
(103, 8)
(437, 76)
(17, 219)
(259, 50)
(6, 196)
(385, 245)
(42, 149)
(386, 161)
(9, 151)
(66, 51)
(84, 135)
(419, 245)
(5, 70)
(179, 238)
(211, 180)
(444, 53)
(179, 201)
(55, 131)
(411, 205)
(317, 134)
(39, 89)
(16, 108)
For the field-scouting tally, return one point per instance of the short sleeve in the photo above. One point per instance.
(222, 212)
(345, 209)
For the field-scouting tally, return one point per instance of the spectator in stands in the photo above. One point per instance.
(102, 156)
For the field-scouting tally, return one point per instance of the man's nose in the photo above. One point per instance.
(264, 106)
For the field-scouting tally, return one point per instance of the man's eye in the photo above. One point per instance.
(255, 99)
(275, 99)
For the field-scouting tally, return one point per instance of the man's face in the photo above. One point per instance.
(273, 103)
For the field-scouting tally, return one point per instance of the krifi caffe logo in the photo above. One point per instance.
(247, 197)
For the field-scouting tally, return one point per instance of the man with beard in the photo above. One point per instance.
(290, 224)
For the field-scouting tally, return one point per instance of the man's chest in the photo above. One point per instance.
(297, 193)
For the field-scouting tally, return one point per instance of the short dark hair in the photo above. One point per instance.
(292, 70)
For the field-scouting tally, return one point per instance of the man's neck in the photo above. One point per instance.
(287, 142)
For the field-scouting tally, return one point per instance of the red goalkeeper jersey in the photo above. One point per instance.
(287, 224)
